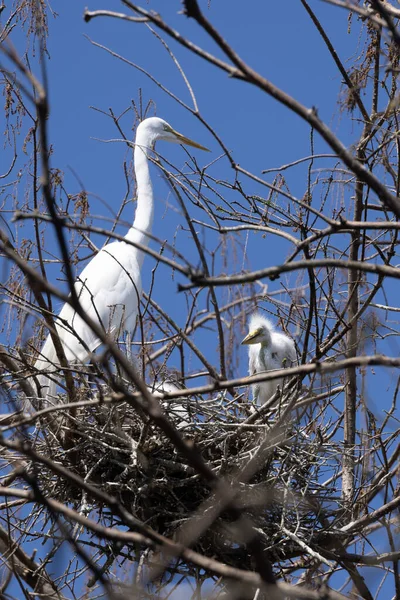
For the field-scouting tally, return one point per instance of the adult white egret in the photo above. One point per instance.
(109, 287)
(268, 350)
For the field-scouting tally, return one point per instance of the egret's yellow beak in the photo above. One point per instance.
(187, 141)
(250, 338)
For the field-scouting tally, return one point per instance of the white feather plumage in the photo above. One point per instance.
(177, 408)
(268, 350)
(109, 287)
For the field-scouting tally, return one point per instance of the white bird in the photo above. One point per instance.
(177, 408)
(109, 287)
(268, 350)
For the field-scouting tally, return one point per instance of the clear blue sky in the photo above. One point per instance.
(284, 46)
(261, 134)
(256, 127)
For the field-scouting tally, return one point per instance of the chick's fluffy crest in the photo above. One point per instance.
(258, 320)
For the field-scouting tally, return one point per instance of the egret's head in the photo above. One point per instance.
(260, 331)
(153, 129)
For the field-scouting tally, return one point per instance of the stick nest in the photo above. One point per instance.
(137, 464)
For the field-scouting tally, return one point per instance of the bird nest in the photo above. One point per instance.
(136, 463)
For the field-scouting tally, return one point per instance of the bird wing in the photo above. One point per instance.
(285, 351)
(108, 289)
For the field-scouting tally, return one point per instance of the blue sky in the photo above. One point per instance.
(81, 76)
(284, 47)
(259, 132)
(254, 126)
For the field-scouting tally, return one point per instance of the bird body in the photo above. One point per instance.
(269, 350)
(177, 408)
(109, 287)
(114, 306)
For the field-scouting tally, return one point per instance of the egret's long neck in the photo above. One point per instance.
(267, 340)
(145, 204)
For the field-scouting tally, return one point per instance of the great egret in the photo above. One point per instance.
(268, 350)
(109, 287)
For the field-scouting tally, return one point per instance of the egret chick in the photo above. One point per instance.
(178, 408)
(268, 350)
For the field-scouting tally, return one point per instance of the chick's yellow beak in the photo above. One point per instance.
(188, 141)
(250, 337)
